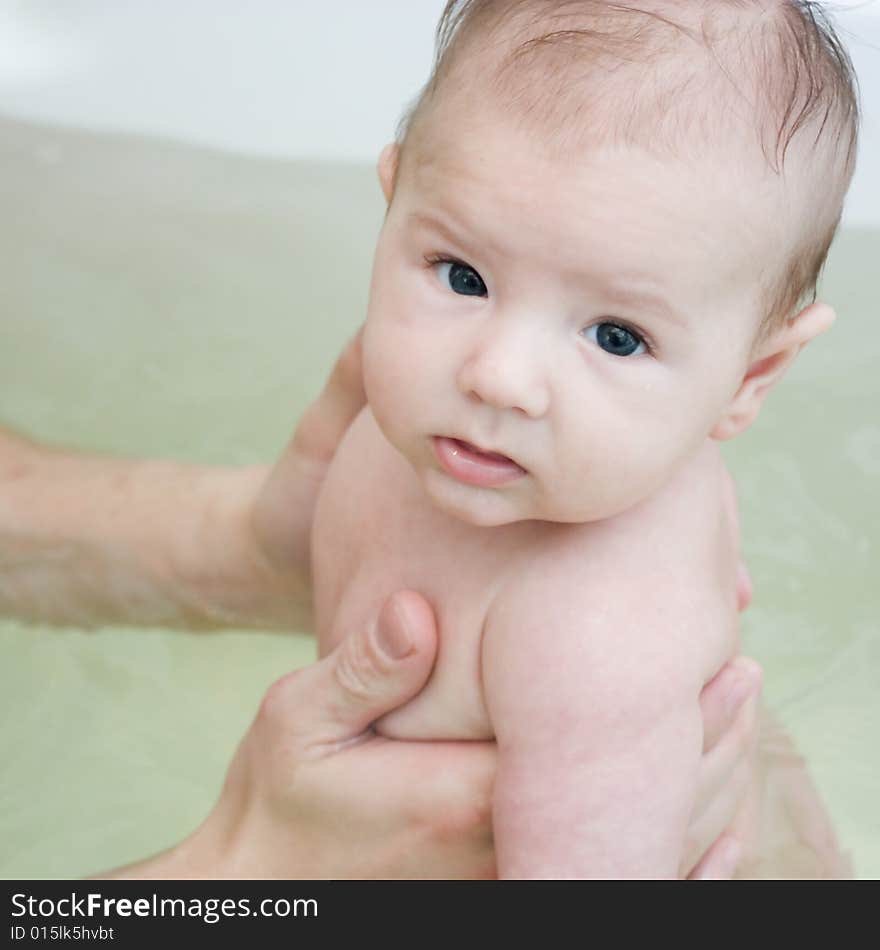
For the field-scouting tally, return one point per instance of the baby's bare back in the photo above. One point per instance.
(375, 533)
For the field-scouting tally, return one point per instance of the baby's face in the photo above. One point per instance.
(585, 321)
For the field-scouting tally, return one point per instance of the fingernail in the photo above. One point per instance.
(393, 634)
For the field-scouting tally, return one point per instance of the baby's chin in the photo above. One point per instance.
(495, 507)
(480, 507)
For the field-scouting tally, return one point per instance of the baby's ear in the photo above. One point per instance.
(387, 168)
(768, 365)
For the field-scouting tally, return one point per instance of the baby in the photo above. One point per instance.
(603, 222)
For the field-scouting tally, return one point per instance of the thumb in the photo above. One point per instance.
(324, 422)
(370, 673)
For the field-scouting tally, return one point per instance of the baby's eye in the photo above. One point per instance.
(615, 339)
(462, 278)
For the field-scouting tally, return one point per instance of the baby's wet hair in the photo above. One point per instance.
(670, 76)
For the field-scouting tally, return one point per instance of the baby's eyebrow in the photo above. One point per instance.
(624, 290)
(462, 235)
(426, 219)
(630, 295)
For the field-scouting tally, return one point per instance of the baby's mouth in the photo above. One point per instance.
(479, 453)
(467, 463)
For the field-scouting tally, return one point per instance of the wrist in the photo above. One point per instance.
(231, 844)
(199, 857)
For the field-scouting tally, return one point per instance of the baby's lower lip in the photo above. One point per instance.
(468, 464)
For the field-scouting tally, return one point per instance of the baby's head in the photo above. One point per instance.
(605, 226)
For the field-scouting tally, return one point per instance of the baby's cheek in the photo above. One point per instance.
(379, 377)
(376, 366)
(386, 386)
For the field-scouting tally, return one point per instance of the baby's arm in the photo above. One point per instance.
(599, 738)
(593, 662)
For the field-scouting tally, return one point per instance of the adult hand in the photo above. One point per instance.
(313, 793)
(281, 514)
(729, 704)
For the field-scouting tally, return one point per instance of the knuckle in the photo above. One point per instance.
(357, 668)
(274, 703)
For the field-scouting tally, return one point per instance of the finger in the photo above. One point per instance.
(434, 781)
(370, 673)
(720, 862)
(720, 801)
(735, 748)
(724, 784)
(341, 399)
(743, 586)
(441, 792)
(724, 695)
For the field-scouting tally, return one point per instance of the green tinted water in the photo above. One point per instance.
(166, 301)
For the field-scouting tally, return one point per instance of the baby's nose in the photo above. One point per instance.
(504, 370)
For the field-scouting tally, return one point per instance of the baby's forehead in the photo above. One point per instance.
(592, 212)
(765, 79)
(641, 82)
(481, 150)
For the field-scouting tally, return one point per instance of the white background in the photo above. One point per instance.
(289, 78)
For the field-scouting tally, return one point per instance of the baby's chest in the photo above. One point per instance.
(375, 534)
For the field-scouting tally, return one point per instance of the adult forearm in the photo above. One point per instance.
(88, 540)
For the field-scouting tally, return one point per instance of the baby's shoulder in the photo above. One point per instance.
(690, 510)
(666, 568)
(676, 529)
